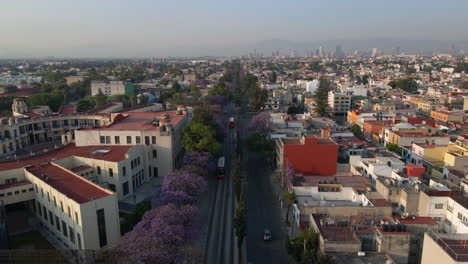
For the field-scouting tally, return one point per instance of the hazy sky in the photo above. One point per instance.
(152, 27)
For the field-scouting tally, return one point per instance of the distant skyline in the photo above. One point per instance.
(123, 28)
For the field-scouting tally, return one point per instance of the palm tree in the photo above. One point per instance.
(290, 198)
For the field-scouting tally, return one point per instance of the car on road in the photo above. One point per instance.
(266, 235)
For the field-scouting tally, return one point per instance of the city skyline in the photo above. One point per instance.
(155, 28)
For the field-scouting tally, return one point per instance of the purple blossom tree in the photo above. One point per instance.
(289, 174)
(200, 159)
(260, 123)
(160, 235)
(185, 181)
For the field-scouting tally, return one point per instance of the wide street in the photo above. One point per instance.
(220, 234)
(263, 207)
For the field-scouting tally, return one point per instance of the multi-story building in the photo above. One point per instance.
(448, 116)
(109, 88)
(339, 103)
(308, 155)
(71, 211)
(159, 133)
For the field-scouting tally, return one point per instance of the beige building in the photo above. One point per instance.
(69, 210)
(159, 134)
(444, 248)
(108, 88)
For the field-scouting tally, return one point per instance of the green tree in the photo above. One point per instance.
(85, 105)
(407, 84)
(273, 77)
(464, 85)
(176, 86)
(356, 129)
(394, 147)
(240, 225)
(290, 199)
(53, 99)
(218, 90)
(130, 220)
(321, 97)
(237, 180)
(100, 98)
(198, 137)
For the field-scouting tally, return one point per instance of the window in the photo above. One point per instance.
(155, 153)
(61, 206)
(117, 139)
(51, 218)
(98, 170)
(137, 140)
(44, 211)
(149, 171)
(449, 208)
(64, 229)
(42, 192)
(69, 211)
(125, 188)
(72, 234)
(147, 140)
(439, 206)
(57, 223)
(55, 202)
(48, 197)
(23, 191)
(111, 172)
(39, 208)
(101, 221)
(102, 140)
(460, 216)
(77, 220)
(124, 171)
(112, 187)
(153, 139)
(78, 238)
(129, 140)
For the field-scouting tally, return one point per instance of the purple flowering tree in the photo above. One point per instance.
(200, 159)
(182, 187)
(184, 181)
(289, 174)
(160, 235)
(260, 123)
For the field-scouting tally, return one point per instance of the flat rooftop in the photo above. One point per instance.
(139, 121)
(108, 153)
(70, 184)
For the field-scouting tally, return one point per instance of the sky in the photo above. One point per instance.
(124, 28)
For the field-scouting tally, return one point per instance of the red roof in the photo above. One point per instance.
(15, 184)
(74, 186)
(116, 153)
(67, 109)
(138, 121)
(418, 220)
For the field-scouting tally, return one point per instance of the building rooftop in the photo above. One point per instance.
(140, 121)
(418, 220)
(15, 184)
(70, 184)
(357, 182)
(111, 153)
(455, 245)
(67, 109)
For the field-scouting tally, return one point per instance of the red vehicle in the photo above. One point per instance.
(220, 168)
(232, 124)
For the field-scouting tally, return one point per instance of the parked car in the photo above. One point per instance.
(266, 235)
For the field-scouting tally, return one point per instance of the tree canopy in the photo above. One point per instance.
(321, 97)
(199, 137)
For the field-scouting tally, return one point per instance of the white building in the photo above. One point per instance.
(339, 103)
(108, 88)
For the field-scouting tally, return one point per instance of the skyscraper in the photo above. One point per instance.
(320, 51)
(339, 51)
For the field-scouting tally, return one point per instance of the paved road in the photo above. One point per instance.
(263, 210)
(220, 237)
